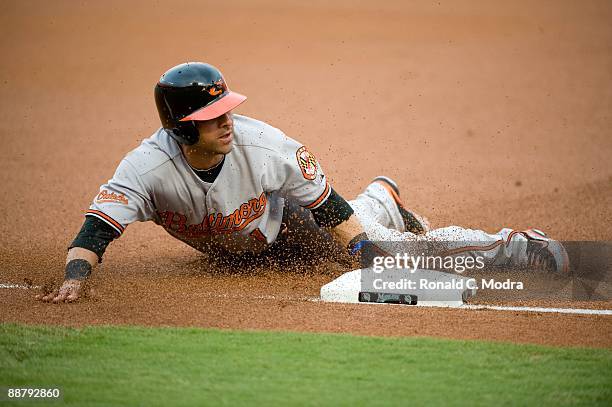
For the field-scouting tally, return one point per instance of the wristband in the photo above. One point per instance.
(357, 243)
(365, 250)
(77, 269)
(359, 246)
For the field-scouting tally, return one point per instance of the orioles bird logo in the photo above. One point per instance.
(307, 162)
(216, 88)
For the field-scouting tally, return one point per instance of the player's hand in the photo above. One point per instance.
(70, 291)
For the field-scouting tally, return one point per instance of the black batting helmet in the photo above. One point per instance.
(189, 92)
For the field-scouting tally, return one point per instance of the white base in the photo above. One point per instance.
(346, 289)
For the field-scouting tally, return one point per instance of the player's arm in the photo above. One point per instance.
(347, 231)
(338, 217)
(303, 180)
(124, 199)
(84, 254)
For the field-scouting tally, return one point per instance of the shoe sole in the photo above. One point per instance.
(553, 246)
(559, 254)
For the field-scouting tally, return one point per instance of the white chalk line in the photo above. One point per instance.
(19, 286)
(583, 311)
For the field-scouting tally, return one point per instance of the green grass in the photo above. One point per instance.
(171, 366)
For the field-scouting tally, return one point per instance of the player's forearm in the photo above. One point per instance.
(84, 254)
(87, 248)
(350, 234)
(345, 232)
(94, 237)
(80, 263)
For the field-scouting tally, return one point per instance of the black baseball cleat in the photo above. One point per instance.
(413, 223)
(544, 253)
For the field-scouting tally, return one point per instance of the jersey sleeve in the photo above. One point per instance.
(334, 211)
(301, 177)
(123, 199)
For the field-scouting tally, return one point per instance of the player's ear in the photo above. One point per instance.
(185, 133)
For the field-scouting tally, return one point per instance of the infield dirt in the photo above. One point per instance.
(488, 114)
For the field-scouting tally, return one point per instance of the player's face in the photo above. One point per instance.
(216, 135)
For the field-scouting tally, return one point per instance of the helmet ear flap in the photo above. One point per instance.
(185, 133)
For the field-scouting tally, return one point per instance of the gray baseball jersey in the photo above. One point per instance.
(241, 211)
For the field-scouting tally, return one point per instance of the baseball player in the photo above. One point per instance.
(238, 188)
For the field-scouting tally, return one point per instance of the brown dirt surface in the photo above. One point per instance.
(487, 113)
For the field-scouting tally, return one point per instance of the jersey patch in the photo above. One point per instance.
(308, 163)
(105, 196)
